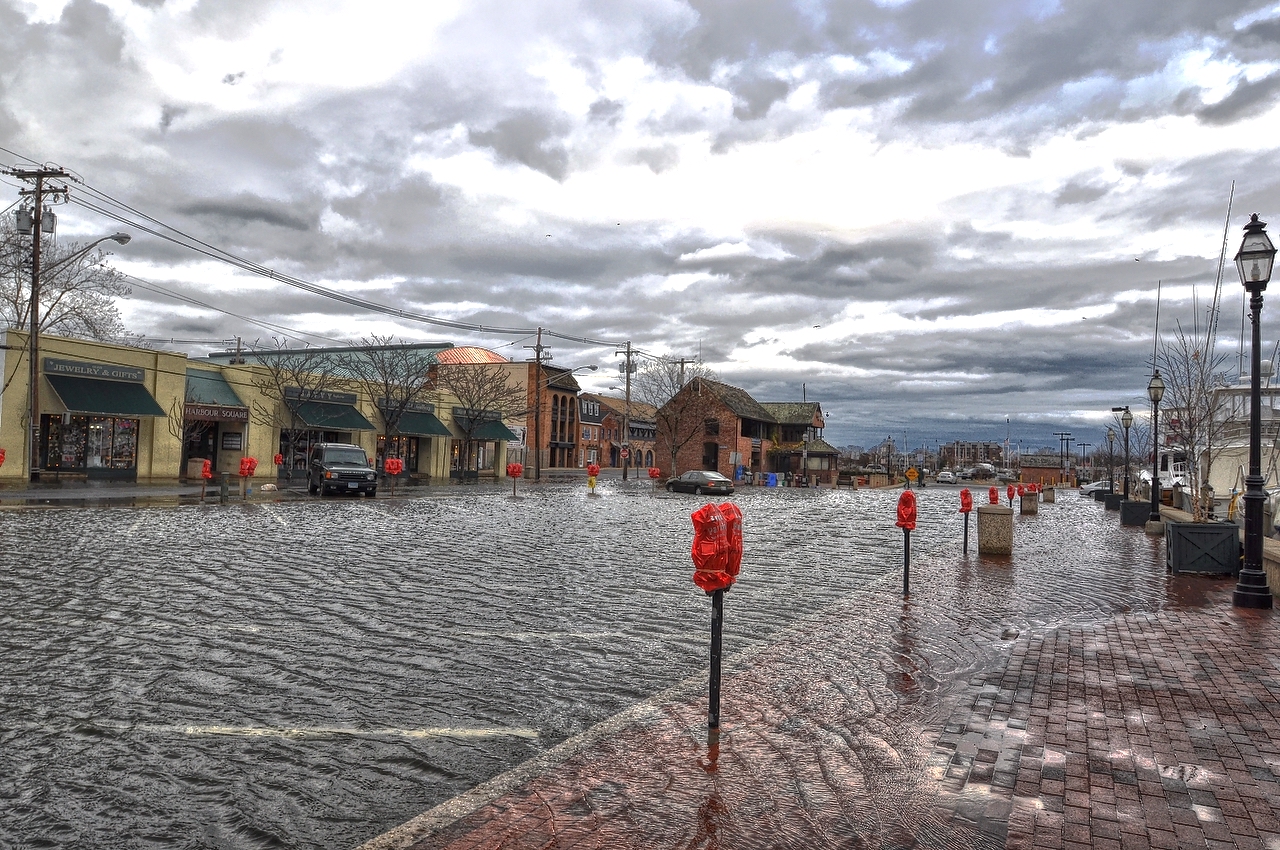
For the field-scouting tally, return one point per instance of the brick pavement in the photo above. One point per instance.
(921, 724)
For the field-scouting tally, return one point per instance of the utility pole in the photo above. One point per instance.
(1064, 437)
(681, 363)
(537, 407)
(39, 175)
(626, 413)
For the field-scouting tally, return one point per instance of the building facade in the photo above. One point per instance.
(109, 411)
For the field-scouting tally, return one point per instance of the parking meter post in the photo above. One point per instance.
(966, 534)
(717, 621)
(222, 489)
(906, 562)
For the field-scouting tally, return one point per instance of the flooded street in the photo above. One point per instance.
(313, 673)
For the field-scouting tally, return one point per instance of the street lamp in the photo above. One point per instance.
(1083, 457)
(1126, 419)
(1111, 461)
(1254, 261)
(33, 342)
(1155, 392)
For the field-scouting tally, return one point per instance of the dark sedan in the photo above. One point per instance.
(698, 481)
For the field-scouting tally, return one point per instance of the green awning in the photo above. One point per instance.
(493, 430)
(205, 387)
(104, 398)
(332, 417)
(422, 424)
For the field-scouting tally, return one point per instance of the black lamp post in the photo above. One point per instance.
(1126, 419)
(1155, 392)
(1254, 261)
(1111, 461)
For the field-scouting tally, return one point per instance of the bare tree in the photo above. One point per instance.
(1190, 375)
(395, 376)
(485, 392)
(682, 416)
(77, 296)
(290, 378)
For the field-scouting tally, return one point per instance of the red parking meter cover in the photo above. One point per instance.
(1009, 491)
(515, 470)
(654, 472)
(733, 535)
(994, 495)
(206, 469)
(966, 501)
(1022, 491)
(710, 549)
(393, 465)
(278, 459)
(593, 469)
(907, 511)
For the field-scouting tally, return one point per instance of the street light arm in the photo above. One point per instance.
(121, 238)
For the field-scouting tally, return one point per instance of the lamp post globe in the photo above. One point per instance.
(1155, 392)
(1254, 261)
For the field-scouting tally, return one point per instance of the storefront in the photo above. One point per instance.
(324, 417)
(487, 449)
(214, 419)
(411, 440)
(97, 434)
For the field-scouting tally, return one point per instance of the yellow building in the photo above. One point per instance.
(135, 414)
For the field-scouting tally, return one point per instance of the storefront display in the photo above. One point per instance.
(101, 446)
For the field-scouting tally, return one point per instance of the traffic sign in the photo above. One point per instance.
(626, 453)
(912, 474)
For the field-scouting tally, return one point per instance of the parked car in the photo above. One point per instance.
(340, 468)
(1089, 489)
(945, 477)
(699, 481)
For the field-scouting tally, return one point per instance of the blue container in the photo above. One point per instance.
(773, 479)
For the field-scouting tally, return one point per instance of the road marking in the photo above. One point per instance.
(324, 731)
(133, 528)
(275, 515)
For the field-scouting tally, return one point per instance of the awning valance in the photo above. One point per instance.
(205, 387)
(104, 398)
(332, 417)
(493, 431)
(422, 424)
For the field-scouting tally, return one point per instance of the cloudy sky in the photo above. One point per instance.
(932, 214)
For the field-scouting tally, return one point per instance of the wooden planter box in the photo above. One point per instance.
(1202, 547)
(1134, 512)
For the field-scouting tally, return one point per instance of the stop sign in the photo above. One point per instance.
(626, 453)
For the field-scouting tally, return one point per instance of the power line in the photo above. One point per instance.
(213, 252)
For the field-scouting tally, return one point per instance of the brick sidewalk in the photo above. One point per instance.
(950, 721)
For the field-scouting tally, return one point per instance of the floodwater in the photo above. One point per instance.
(313, 673)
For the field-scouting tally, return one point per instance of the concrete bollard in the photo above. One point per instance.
(1048, 495)
(1030, 503)
(995, 530)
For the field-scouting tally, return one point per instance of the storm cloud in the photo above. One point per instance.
(927, 215)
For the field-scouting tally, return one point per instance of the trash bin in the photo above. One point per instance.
(773, 480)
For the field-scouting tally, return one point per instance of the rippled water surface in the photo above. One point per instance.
(312, 673)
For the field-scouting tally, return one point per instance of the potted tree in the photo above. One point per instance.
(1192, 376)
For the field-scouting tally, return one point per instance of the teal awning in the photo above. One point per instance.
(332, 417)
(422, 424)
(493, 430)
(205, 387)
(104, 398)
